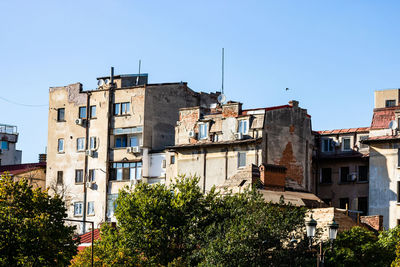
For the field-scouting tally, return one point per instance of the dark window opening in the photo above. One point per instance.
(61, 114)
(120, 141)
(344, 174)
(59, 177)
(326, 175)
(344, 203)
(390, 103)
(363, 205)
(78, 176)
(362, 173)
(327, 201)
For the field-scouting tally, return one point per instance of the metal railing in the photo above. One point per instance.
(8, 129)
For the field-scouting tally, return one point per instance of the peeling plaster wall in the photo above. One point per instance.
(289, 142)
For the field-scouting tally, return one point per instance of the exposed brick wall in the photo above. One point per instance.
(273, 177)
(294, 168)
(374, 221)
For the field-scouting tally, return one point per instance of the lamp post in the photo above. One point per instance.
(311, 227)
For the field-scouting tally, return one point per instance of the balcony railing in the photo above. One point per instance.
(8, 129)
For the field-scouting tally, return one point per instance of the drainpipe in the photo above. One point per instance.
(85, 170)
(109, 127)
(204, 169)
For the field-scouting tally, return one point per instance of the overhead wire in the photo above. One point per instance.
(21, 104)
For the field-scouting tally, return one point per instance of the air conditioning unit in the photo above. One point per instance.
(79, 121)
(351, 177)
(90, 184)
(238, 136)
(133, 149)
(192, 134)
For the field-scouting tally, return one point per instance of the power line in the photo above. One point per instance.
(20, 104)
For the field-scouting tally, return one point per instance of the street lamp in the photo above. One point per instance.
(311, 227)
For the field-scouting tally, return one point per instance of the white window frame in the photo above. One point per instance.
(245, 159)
(240, 129)
(342, 138)
(78, 206)
(90, 208)
(78, 148)
(203, 125)
(60, 150)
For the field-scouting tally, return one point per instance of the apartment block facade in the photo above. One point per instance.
(9, 155)
(102, 140)
(342, 168)
(215, 143)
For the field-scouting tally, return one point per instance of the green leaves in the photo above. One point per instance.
(32, 227)
(180, 226)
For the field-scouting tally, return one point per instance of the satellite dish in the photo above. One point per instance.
(221, 98)
(107, 81)
(393, 125)
(100, 82)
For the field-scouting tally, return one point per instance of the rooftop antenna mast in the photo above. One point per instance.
(137, 78)
(222, 88)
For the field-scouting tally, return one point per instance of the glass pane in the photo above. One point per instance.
(134, 141)
(116, 109)
(119, 174)
(139, 172)
(119, 165)
(126, 165)
(133, 173)
(139, 164)
(93, 111)
(132, 165)
(82, 112)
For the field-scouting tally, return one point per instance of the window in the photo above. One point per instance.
(111, 204)
(363, 137)
(78, 209)
(80, 144)
(92, 176)
(346, 144)
(78, 176)
(4, 145)
(126, 171)
(326, 175)
(60, 147)
(203, 131)
(61, 114)
(398, 191)
(243, 126)
(59, 177)
(121, 108)
(344, 203)
(92, 112)
(120, 141)
(241, 159)
(390, 103)
(363, 205)
(327, 145)
(398, 157)
(90, 208)
(362, 173)
(344, 174)
(172, 159)
(93, 142)
(82, 112)
(133, 141)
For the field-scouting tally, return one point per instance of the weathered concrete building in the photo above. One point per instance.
(384, 161)
(102, 140)
(216, 142)
(342, 168)
(9, 155)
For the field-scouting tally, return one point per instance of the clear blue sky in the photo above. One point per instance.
(331, 54)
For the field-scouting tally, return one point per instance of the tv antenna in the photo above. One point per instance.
(222, 87)
(137, 78)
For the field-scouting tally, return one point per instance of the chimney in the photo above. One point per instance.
(42, 158)
(294, 103)
(231, 109)
(273, 177)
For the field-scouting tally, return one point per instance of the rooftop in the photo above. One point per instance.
(343, 131)
(8, 129)
(21, 168)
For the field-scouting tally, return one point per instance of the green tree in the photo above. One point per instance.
(361, 247)
(180, 226)
(32, 229)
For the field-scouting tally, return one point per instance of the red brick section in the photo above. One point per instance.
(374, 221)
(294, 169)
(273, 177)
